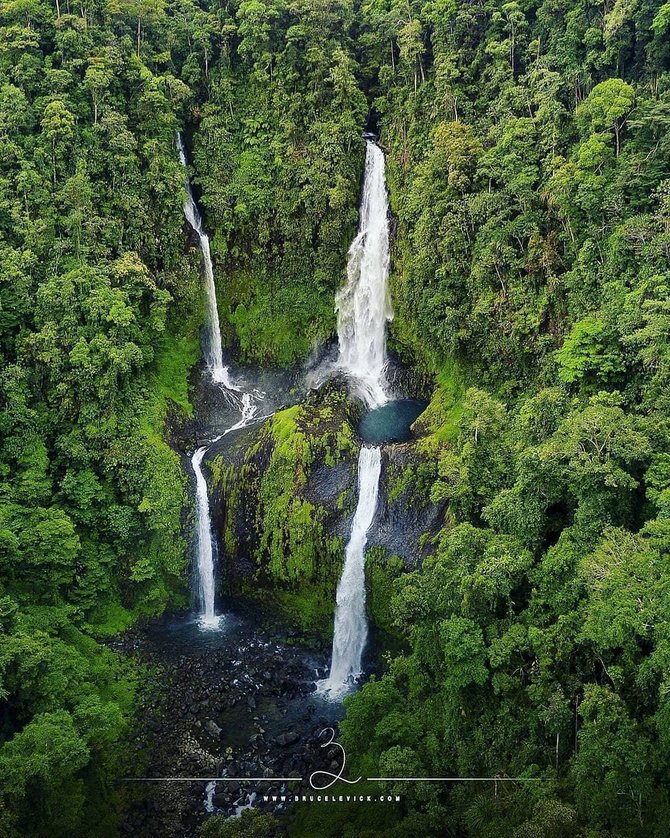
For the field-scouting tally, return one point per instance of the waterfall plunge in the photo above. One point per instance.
(213, 351)
(351, 628)
(363, 310)
(362, 304)
(204, 545)
(245, 403)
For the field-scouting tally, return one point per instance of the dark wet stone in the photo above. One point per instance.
(212, 728)
(288, 738)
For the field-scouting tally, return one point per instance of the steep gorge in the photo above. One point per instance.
(516, 560)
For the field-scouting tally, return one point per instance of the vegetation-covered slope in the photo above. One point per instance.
(279, 159)
(93, 279)
(528, 165)
(529, 168)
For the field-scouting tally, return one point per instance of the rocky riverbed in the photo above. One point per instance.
(232, 703)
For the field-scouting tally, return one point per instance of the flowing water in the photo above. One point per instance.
(363, 310)
(205, 544)
(245, 403)
(205, 550)
(351, 628)
(219, 373)
(362, 304)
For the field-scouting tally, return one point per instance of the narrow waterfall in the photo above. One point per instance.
(213, 352)
(362, 304)
(363, 310)
(351, 628)
(204, 545)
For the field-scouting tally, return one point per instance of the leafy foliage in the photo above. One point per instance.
(529, 179)
(528, 148)
(94, 277)
(286, 531)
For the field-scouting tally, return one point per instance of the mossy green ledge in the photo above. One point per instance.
(282, 508)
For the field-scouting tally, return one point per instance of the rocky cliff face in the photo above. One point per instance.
(283, 501)
(282, 498)
(406, 516)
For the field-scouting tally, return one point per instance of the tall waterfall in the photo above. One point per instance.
(205, 547)
(363, 310)
(213, 352)
(362, 304)
(351, 629)
(204, 544)
(244, 402)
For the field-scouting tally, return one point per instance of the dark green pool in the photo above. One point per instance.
(390, 423)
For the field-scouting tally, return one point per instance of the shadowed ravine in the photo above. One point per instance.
(231, 698)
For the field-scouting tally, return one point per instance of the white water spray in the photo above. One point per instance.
(219, 373)
(205, 544)
(362, 304)
(351, 628)
(363, 310)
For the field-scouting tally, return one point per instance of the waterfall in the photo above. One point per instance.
(204, 544)
(245, 403)
(363, 310)
(362, 304)
(213, 351)
(351, 629)
(205, 547)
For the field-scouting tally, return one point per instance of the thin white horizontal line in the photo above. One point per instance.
(208, 779)
(300, 779)
(457, 779)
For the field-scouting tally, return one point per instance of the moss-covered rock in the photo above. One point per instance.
(381, 569)
(283, 506)
(406, 516)
(283, 500)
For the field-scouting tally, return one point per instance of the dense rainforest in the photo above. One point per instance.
(528, 165)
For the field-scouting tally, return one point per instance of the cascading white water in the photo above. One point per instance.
(205, 546)
(205, 543)
(213, 351)
(363, 310)
(362, 304)
(245, 402)
(351, 628)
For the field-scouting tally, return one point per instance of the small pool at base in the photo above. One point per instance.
(391, 422)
